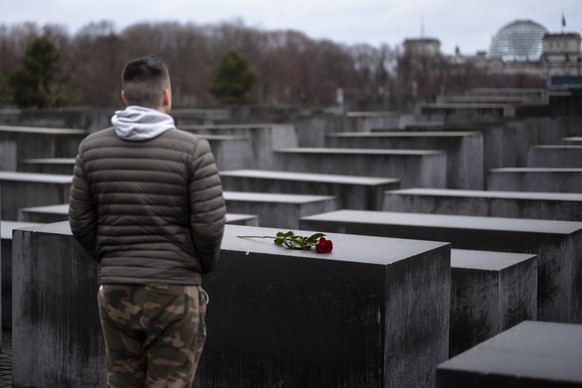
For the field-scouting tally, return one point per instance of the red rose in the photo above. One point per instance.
(323, 245)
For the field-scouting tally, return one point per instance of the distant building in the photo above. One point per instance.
(427, 47)
(561, 54)
(518, 41)
(519, 47)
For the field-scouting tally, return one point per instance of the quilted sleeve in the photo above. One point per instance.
(82, 211)
(207, 206)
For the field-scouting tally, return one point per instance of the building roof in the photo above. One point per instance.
(520, 40)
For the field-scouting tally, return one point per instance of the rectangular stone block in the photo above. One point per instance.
(572, 140)
(467, 112)
(531, 354)
(464, 150)
(492, 99)
(242, 219)
(256, 149)
(365, 121)
(207, 116)
(6, 228)
(373, 313)
(501, 146)
(278, 210)
(60, 166)
(231, 151)
(490, 292)
(351, 192)
(563, 180)
(56, 336)
(558, 245)
(531, 95)
(60, 213)
(44, 214)
(414, 168)
(555, 156)
(19, 142)
(547, 206)
(21, 189)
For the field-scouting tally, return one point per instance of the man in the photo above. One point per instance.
(146, 202)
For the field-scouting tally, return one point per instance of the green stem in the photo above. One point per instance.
(257, 237)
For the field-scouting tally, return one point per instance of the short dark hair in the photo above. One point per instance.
(144, 80)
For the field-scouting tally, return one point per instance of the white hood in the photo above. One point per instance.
(137, 123)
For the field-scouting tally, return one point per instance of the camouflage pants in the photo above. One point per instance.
(154, 334)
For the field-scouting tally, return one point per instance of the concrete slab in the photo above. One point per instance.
(257, 149)
(6, 228)
(555, 156)
(44, 214)
(362, 311)
(231, 151)
(512, 204)
(564, 180)
(42, 131)
(242, 219)
(467, 112)
(504, 143)
(351, 192)
(490, 292)
(483, 99)
(278, 210)
(20, 189)
(423, 126)
(464, 150)
(18, 143)
(61, 166)
(532, 95)
(558, 245)
(572, 140)
(414, 168)
(365, 121)
(59, 213)
(531, 354)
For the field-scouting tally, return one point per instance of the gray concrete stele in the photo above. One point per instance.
(351, 318)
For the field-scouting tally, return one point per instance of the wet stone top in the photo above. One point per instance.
(530, 195)
(6, 228)
(486, 260)
(308, 177)
(39, 130)
(352, 151)
(450, 221)
(36, 178)
(349, 248)
(536, 169)
(52, 209)
(411, 134)
(540, 351)
(274, 198)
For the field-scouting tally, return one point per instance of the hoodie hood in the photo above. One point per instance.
(137, 123)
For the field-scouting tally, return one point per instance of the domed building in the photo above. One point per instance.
(527, 47)
(522, 46)
(520, 40)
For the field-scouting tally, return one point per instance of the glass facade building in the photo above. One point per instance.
(521, 40)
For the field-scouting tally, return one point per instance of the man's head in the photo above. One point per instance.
(146, 82)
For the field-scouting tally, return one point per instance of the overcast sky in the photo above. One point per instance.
(469, 24)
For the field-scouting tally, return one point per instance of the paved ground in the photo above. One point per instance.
(6, 360)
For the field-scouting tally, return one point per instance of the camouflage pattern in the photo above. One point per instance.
(154, 334)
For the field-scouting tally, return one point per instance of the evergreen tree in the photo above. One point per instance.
(232, 79)
(41, 81)
(4, 89)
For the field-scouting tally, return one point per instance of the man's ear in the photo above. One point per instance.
(167, 98)
(123, 99)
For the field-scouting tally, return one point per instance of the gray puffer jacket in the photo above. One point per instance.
(150, 211)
